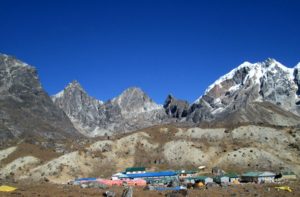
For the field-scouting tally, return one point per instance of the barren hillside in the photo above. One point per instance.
(246, 147)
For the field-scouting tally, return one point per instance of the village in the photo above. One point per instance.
(180, 181)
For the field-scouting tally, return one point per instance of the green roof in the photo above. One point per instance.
(198, 178)
(160, 180)
(251, 174)
(259, 174)
(134, 169)
(232, 175)
(288, 173)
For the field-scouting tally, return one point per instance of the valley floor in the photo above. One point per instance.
(46, 189)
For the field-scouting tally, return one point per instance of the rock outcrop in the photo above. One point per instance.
(176, 108)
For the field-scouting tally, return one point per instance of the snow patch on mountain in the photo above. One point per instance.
(58, 95)
(229, 75)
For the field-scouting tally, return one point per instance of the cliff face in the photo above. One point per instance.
(25, 108)
(176, 108)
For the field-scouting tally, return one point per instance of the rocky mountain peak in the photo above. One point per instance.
(248, 73)
(135, 100)
(267, 81)
(15, 72)
(271, 61)
(75, 85)
(73, 89)
(169, 100)
(131, 92)
(129, 111)
(273, 65)
(11, 61)
(26, 109)
(82, 109)
(74, 96)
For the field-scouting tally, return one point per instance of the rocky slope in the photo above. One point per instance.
(25, 108)
(130, 111)
(251, 93)
(237, 149)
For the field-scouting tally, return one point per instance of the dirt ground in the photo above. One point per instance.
(49, 190)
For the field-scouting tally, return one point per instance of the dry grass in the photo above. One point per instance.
(25, 149)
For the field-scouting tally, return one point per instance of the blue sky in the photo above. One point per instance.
(177, 47)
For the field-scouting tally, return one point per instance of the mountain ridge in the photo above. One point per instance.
(264, 92)
(131, 110)
(237, 92)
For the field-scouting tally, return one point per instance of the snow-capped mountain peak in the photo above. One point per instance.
(273, 65)
(58, 95)
(267, 81)
(250, 71)
(229, 75)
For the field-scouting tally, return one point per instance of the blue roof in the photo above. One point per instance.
(86, 179)
(151, 174)
(169, 188)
